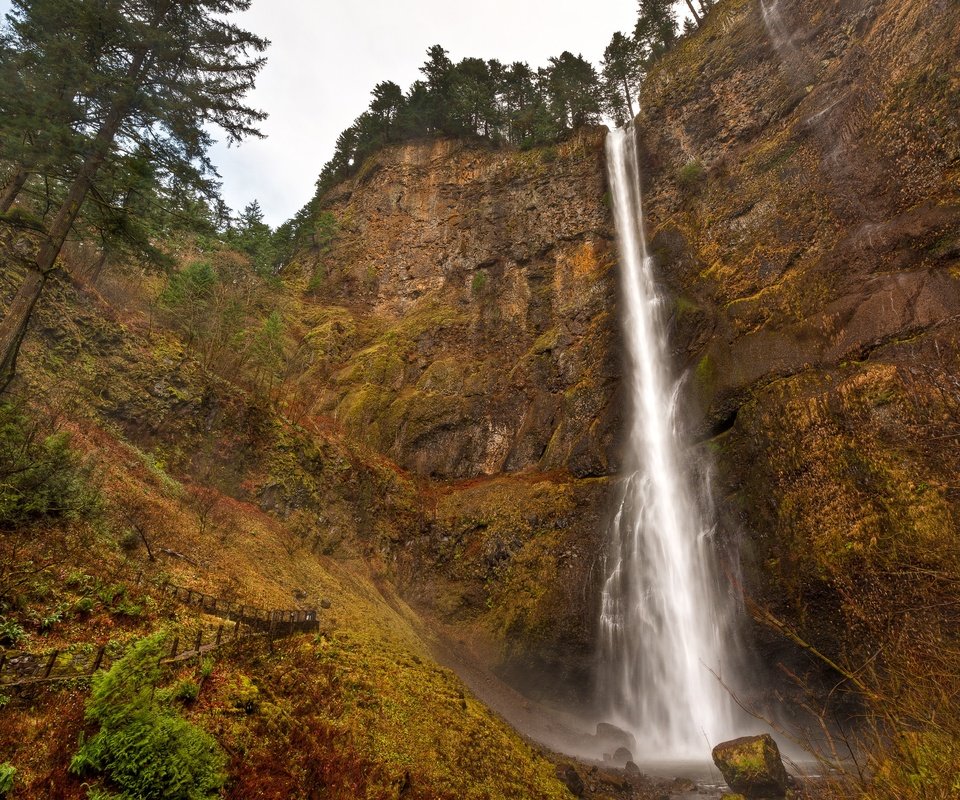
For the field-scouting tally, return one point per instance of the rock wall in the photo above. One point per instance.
(475, 309)
(802, 176)
(802, 189)
(464, 328)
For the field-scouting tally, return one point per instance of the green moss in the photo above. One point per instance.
(479, 283)
(705, 373)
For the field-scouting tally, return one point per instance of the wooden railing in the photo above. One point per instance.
(242, 621)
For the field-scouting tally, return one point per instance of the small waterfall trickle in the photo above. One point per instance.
(664, 619)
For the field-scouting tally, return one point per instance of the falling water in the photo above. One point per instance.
(663, 621)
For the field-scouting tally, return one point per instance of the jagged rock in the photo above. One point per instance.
(570, 778)
(622, 756)
(632, 769)
(751, 766)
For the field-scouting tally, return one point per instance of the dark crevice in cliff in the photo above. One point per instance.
(720, 427)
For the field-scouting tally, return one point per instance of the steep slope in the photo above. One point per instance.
(204, 484)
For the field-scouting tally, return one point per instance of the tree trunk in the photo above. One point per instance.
(15, 321)
(693, 11)
(626, 91)
(12, 189)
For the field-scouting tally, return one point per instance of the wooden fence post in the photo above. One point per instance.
(219, 635)
(50, 662)
(98, 660)
(236, 629)
(3, 662)
(173, 650)
(199, 640)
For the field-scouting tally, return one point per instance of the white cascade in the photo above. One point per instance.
(665, 620)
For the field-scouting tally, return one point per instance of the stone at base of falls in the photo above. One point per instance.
(751, 766)
(632, 769)
(611, 738)
(570, 778)
(622, 756)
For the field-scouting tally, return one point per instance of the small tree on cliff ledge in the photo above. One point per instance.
(160, 73)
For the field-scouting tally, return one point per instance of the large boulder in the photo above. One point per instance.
(611, 738)
(751, 766)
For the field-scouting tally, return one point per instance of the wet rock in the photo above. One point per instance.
(570, 778)
(751, 766)
(611, 738)
(632, 769)
(622, 755)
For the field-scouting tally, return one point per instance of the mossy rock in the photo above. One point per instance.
(751, 766)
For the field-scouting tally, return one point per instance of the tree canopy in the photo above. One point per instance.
(109, 104)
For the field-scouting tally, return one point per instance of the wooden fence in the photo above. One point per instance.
(242, 621)
(280, 622)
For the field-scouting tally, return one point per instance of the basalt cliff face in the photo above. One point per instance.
(802, 189)
(466, 316)
(802, 183)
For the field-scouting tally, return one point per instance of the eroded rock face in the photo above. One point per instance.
(802, 179)
(469, 293)
(466, 331)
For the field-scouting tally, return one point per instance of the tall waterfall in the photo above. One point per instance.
(664, 621)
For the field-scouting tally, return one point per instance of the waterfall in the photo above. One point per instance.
(664, 621)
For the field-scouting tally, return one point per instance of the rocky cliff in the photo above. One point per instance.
(802, 177)
(464, 326)
(801, 180)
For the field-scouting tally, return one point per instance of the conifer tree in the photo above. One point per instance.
(574, 88)
(656, 29)
(623, 72)
(156, 74)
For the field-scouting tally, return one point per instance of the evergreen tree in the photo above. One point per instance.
(168, 72)
(656, 29)
(438, 75)
(386, 107)
(574, 89)
(253, 236)
(472, 102)
(623, 72)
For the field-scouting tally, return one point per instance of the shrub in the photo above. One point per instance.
(146, 750)
(40, 476)
(11, 632)
(7, 774)
(187, 691)
(691, 174)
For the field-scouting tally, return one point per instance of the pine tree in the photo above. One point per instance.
(623, 72)
(656, 29)
(574, 89)
(386, 107)
(167, 72)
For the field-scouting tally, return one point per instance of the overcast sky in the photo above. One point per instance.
(327, 55)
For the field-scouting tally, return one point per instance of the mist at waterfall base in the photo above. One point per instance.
(666, 620)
